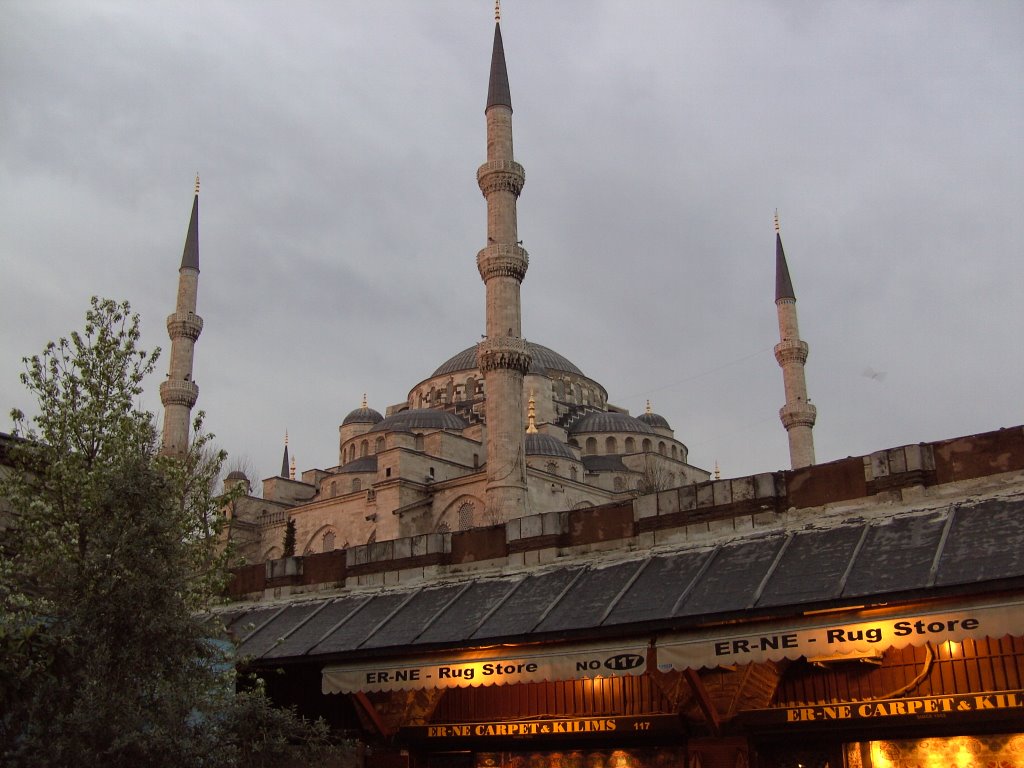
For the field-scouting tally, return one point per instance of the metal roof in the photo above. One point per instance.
(969, 546)
(542, 359)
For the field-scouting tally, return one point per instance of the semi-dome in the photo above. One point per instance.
(362, 464)
(654, 420)
(541, 359)
(420, 418)
(609, 421)
(363, 415)
(538, 444)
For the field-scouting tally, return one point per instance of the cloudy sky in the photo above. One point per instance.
(340, 218)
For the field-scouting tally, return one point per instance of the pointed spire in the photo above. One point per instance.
(783, 283)
(531, 426)
(497, 89)
(190, 256)
(284, 461)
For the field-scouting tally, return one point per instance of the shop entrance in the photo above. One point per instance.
(635, 757)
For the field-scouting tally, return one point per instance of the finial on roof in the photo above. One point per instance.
(197, 182)
(648, 407)
(364, 400)
(286, 437)
(531, 426)
(718, 472)
(776, 219)
(497, 10)
(291, 471)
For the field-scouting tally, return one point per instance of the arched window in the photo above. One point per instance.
(443, 527)
(334, 488)
(673, 452)
(611, 445)
(379, 446)
(364, 448)
(591, 445)
(574, 443)
(357, 485)
(552, 467)
(647, 445)
(329, 541)
(661, 447)
(572, 473)
(630, 445)
(466, 516)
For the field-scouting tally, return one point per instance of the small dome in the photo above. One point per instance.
(237, 475)
(363, 415)
(362, 464)
(609, 421)
(654, 420)
(546, 445)
(541, 359)
(420, 418)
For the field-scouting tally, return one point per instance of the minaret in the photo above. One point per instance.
(502, 356)
(797, 415)
(285, 469)
(179, 392)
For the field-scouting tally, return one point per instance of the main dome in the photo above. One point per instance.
(541, 359)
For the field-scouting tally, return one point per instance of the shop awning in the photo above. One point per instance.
(833, 638)
(500, 666)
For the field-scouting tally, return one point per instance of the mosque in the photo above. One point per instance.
(504, 428)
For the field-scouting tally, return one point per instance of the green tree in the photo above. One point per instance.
(289, 538)
(109, 654)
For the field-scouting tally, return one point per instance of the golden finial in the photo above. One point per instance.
(649, 407)
(286, 437)
(364, 399)
(531, 426)
(197, 183)
(497, 10)
(291, 470)
(776, 219)
(718, 472)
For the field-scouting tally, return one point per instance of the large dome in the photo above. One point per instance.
(609, 421)
(420, 418)
(542, 359)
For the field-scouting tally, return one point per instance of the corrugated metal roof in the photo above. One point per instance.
(910, 555)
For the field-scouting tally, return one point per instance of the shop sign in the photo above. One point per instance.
(923, 708)
(544, 729)
(487, 668)
(814, 637)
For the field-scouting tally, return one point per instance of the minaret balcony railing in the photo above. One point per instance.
(178, 392)
(791, 351)
(502, 260)
(798, 415)
(501, 175)
(503, 353)
(184, 324)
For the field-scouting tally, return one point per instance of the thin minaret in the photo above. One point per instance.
(797, 415)
(503, 357)
(285, 469)
(179, 392)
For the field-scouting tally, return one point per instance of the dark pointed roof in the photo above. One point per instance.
(783, 283)
(284, 462)
(190, 257)
(497, 89)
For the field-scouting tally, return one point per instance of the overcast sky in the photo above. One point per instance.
(340, 218)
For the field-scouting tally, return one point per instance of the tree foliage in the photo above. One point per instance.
(288, 545)
(109, 654)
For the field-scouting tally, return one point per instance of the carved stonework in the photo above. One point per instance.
(501, 175)
(798, 415)
(184, 324)
(791, 351)
(502, 260)
(504, 352)
(179, 393)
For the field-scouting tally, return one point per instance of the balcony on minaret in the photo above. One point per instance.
(179, 392)
(501, 175)
(791, 351)
(798, 414)
(184, 324)
(502, 260)
(503, 353)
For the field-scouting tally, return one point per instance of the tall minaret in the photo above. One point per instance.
(502, 356)
(179, 393)
(798, 415)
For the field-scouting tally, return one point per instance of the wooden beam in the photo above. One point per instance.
(704, 701)
(371, 712)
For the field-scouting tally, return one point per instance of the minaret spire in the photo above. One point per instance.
(284, 461)
(797, 415)
(179, 392)
(503, 357)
